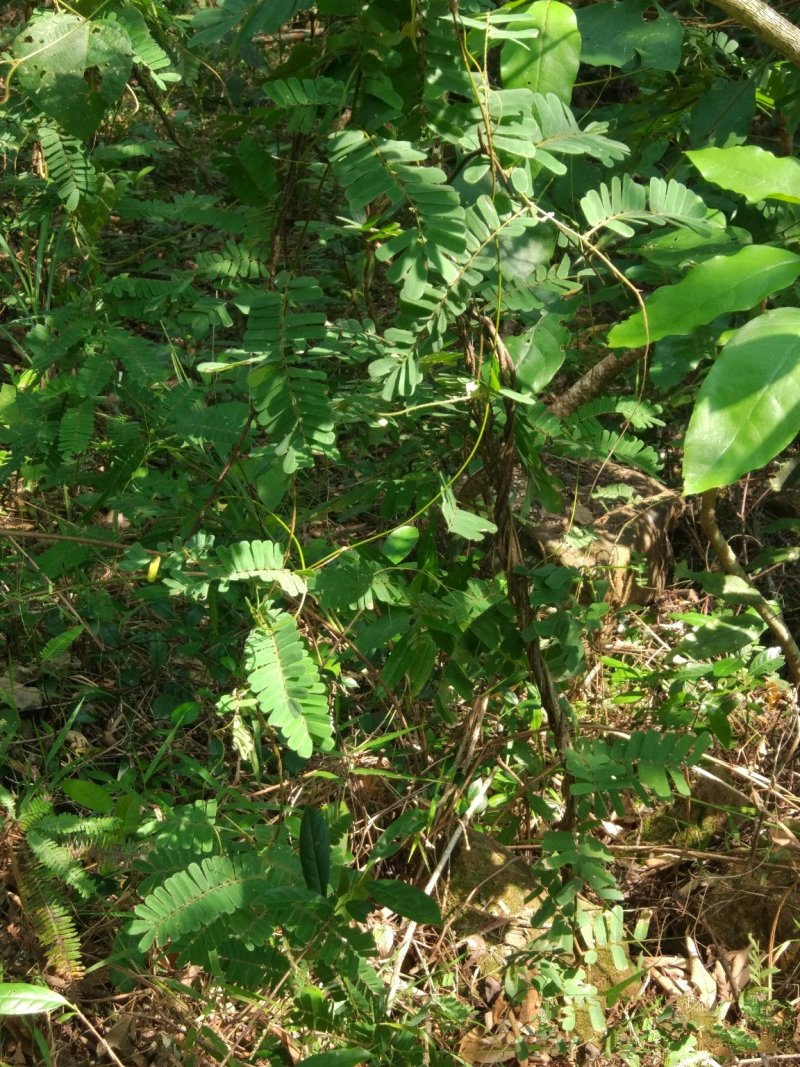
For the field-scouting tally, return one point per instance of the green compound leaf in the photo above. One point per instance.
(748, 408)
(549, 63)
(717, 286)
(73, 69)
(751, 172)
(286, 683)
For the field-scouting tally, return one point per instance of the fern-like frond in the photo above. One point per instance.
(58, 862)
(32, 811)
(147, 52)
(204, 893)
(294, 408)
(561, 135)
(285, 319)
(623, 204)
(302, 99)
(233, 262)
(191, 899)
(57, 933)
(60, 334)
(138, 297)
(648, 763)
(638, 412)
(370, 169)
(248, 17)
(287, 685)
(446, 74)
(144, 362)
(593, 440)
(68, 167)
(195, 209)
(257, 561)
(250, 172)
(94, 375)
(525, 125)
(76, 429)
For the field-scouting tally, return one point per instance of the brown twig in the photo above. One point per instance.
(518, 581)
(731, 565)
(593, 383)
(12, 532)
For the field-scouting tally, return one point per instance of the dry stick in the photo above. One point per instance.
(783, 1057)
(766, 24)
(40, 535)
(731, 565)
(99, 1037)
(557, 716)
(405, 944)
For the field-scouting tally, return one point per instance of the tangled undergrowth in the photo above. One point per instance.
(398, 596)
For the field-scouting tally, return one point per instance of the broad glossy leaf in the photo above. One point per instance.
(676, 357)
(74, 69)
(549, 63)
(621, 32)
(406, 900)
(519, 254)
(249, 16)
(714, 287)
(751, 172)
(748, 408)
(19, 998)
(721, 634)
(727, 587)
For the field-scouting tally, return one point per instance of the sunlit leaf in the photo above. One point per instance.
(748, 408)
(714, 287)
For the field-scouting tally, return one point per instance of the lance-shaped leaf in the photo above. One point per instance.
(315, 851)
(717, 286)
(19, 998)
